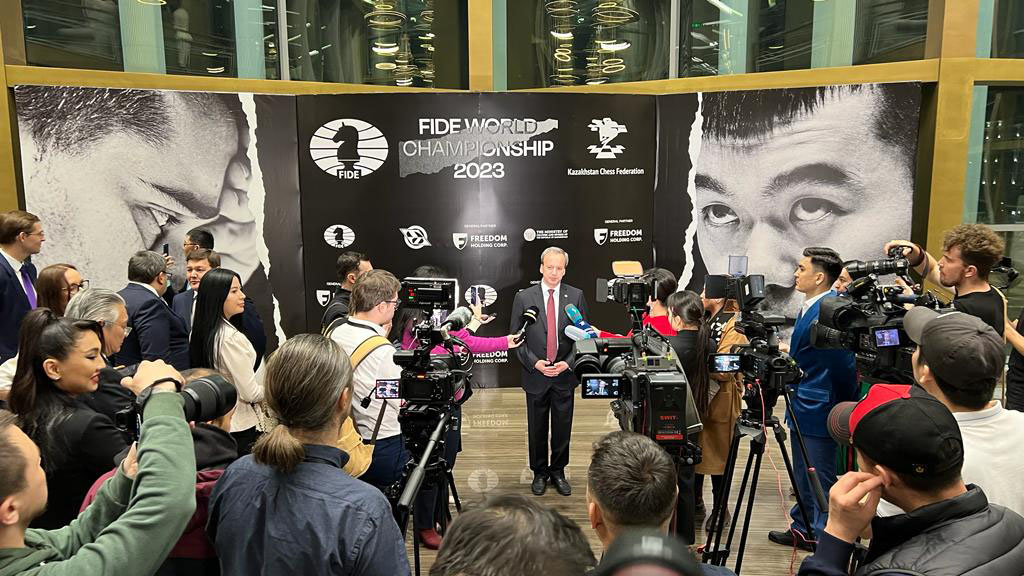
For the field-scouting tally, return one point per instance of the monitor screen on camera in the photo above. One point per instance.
(603, 386)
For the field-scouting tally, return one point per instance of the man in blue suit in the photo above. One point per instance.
(830, 377)
(156, 331)
(21, 236)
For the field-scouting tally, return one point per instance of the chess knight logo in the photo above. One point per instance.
(607, 130)
(600, 236)
(460, 239)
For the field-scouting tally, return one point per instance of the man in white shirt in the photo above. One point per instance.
(21, 236)
(958, 361)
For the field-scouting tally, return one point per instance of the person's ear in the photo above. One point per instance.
(888, 477)
(9, 513)
(52, 368)
(595, 515)
(345, 401)
(971, 271)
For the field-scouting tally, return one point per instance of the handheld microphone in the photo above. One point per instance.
(457, 320)
(529, 317)
(577, 318)
(575, 333)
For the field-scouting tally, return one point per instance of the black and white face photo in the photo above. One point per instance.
(781, 170)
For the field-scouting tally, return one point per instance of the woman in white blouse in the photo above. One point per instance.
(217, 344)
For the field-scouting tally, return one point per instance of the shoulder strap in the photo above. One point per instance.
(365, 348)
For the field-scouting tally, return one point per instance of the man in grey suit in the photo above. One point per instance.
(549, 383)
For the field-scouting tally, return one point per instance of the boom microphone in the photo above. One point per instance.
(529, 317)
(577, 318)
(576, 333)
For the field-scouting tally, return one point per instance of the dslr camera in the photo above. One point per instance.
(868, 319)
(206, 398)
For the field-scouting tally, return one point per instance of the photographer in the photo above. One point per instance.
(830, 377)
(725, 392)
(403, 332)
(139, 513)
(290, 508)
(969, 251)
(59, 361)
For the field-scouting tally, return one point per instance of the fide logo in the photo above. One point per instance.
(348, 149)
(460, 239)
(323, 297)
(600, 236)
(415, 237)
(607, 130)
(339, 236)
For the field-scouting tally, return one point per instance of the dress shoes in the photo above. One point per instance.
(430, 539)
(727, 518)
(561, 484)
(540, 484)
(786, 538)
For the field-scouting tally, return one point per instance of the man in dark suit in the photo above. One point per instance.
(830, 377)
(156, 331)
(21, 236)
(549, 383)
(198, 262)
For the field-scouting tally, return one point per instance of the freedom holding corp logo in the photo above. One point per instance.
(348, 148)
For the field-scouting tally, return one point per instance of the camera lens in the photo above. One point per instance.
(208, 398)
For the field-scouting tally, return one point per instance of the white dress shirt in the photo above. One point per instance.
(147, 287)
(235, 359)
(380, 364)
(16, 264)
(810, 302)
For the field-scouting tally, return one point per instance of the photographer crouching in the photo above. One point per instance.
(139, 513)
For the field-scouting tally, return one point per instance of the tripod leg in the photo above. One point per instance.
(454, 492)
(415, 543)
(712, 554)
(750, 508)
(780, 437)
(739, 501)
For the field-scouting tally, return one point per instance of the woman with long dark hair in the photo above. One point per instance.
(56, 285)
(60, 360)
(402, 330)
(290, 507)
(218, 344)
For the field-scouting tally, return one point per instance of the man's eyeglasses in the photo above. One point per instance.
(395, 302)
(73, 289)
(127, 329)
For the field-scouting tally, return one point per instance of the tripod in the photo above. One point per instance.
(431, 470)
(754, 424)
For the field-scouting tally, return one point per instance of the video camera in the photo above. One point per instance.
(868, 319)
(642, 375)
(760, 360)
(206, 398)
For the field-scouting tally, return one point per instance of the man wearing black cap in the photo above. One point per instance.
(958, 361)
(911, 453)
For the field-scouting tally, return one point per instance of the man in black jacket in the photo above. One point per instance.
(21, 236)
(351, 265)
(910, 452)
(157, 333)
(549, 383)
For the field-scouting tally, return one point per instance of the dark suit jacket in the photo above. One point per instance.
(251, 323)
(13, 307)
(535, 346)
(157, 332)
(830, 377)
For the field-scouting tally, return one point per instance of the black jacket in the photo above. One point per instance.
(963, 535)
(13, 306)
(336, 309)
(534, 348)
(157, 332)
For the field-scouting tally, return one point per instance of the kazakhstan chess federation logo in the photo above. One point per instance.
(607, 130)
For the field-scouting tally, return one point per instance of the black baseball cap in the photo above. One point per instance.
(902, 428)
(961, 349)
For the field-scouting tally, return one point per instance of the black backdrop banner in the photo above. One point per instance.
(478, 185)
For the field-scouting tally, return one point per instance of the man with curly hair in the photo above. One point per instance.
(969, 252)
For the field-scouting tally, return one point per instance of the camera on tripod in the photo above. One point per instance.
(868, 319)
(760, 360)
(630, 287)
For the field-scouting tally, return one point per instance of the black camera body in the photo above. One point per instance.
(868, 320)
(206, 398)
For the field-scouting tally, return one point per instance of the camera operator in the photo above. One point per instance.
(969, 251)
(958, 361)
(911, 452)
(511, 535)
(138, 514)
(403, 332)
(290, 508)
(351, 265)
(631, 483)
(60, 360)
(725, 392)
(830, 377)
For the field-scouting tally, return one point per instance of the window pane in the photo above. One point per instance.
(387, 42)
(1000, 174)
(194, 37)
(1007, 28)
